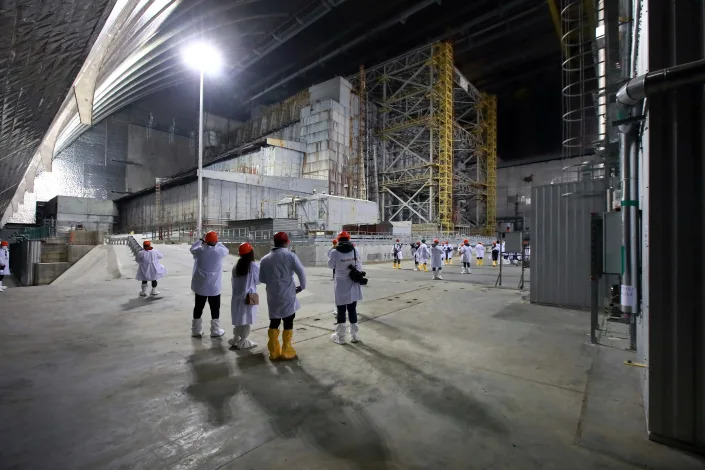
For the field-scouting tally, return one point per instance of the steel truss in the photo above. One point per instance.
(431, 153)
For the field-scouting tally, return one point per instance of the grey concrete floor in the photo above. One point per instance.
(450, 374)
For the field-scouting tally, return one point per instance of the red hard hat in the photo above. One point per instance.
(435, 240)
(147, 245)
(4, 243)
(244, 249)
(343, 235)
(418, 243)
(281, 237)
(397, 240)
(466, 241)
(211, 237)
(335, 241)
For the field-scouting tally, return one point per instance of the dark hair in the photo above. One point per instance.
(243, 264)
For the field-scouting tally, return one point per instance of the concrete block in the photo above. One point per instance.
(76, 252)
(53, 253)
(46, 272)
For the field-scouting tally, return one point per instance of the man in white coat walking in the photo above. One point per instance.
(437, 253)
(4, 263)
(206, 282)
(149, 268)
(347, 291)
(276, 272)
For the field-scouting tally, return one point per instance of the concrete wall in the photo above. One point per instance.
(93, 214)
(156, 154)
(45, 273)
(268, 161)
(330, 213)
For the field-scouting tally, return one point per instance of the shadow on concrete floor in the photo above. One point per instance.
(301, 406)
(435, 394)
(140, 302)
(211, 382)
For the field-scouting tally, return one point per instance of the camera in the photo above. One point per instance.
(358, 276)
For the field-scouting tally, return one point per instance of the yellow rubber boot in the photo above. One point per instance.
(288, 351)
(482, 262)
(450, 261)
(275, 349)
(494, 263)
(477, 262)
(425, 268)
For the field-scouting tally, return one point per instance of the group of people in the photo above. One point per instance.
(440, 254)
(276, 271)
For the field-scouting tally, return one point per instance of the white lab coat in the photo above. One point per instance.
(424, 254)
(207, 268)
(436, 257)
(148, 266)
(243, 314)
(449, 251)
(276, 271)
(479, 251)
(466, 253)
(5, 261)
(346, 290)
(396, 252)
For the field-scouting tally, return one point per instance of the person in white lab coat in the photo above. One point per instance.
(437, 253)
(479, 253)
(276, 271)
(415, 254)
(4, 263)
(424, 255)
(397, 255)
(243, 306)
(466, 256)
(149, 268)
(347, 291)
(206, 282)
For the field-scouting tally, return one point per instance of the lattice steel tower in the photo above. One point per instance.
(431, 155)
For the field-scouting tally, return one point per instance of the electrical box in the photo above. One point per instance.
(612, 243)
(513, 242)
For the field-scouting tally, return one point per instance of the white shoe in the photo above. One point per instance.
(243, 331)
(216, 330)
(339, 336)
(462, 271)
(435, 276)
(354, 333)
(236, 337)
(143, 292)
(197, 328)
(440, 278)
(154, 291)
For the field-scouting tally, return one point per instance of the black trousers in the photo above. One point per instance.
(288, 322)
(495, 255)
(352, 312)
(154, 284)
(213, 303)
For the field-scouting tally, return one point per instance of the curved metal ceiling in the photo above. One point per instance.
(42, 48)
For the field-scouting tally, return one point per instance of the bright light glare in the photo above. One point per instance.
(203, 56)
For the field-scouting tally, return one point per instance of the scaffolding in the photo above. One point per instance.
(428, 159)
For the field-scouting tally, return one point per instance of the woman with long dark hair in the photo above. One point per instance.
(244, 304)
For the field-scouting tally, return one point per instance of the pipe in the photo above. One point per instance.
(662, 80)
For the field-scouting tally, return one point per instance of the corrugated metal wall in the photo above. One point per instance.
(560, 241)
(676, 215)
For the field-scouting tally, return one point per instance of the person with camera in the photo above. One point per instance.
(243, 306)
(208, 256)
(276, 271)
(424, 255)
(466, 256)
(345, 261)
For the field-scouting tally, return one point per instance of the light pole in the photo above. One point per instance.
(201, 56)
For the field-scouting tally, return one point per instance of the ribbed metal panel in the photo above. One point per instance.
(560, 241)
(674, 308)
